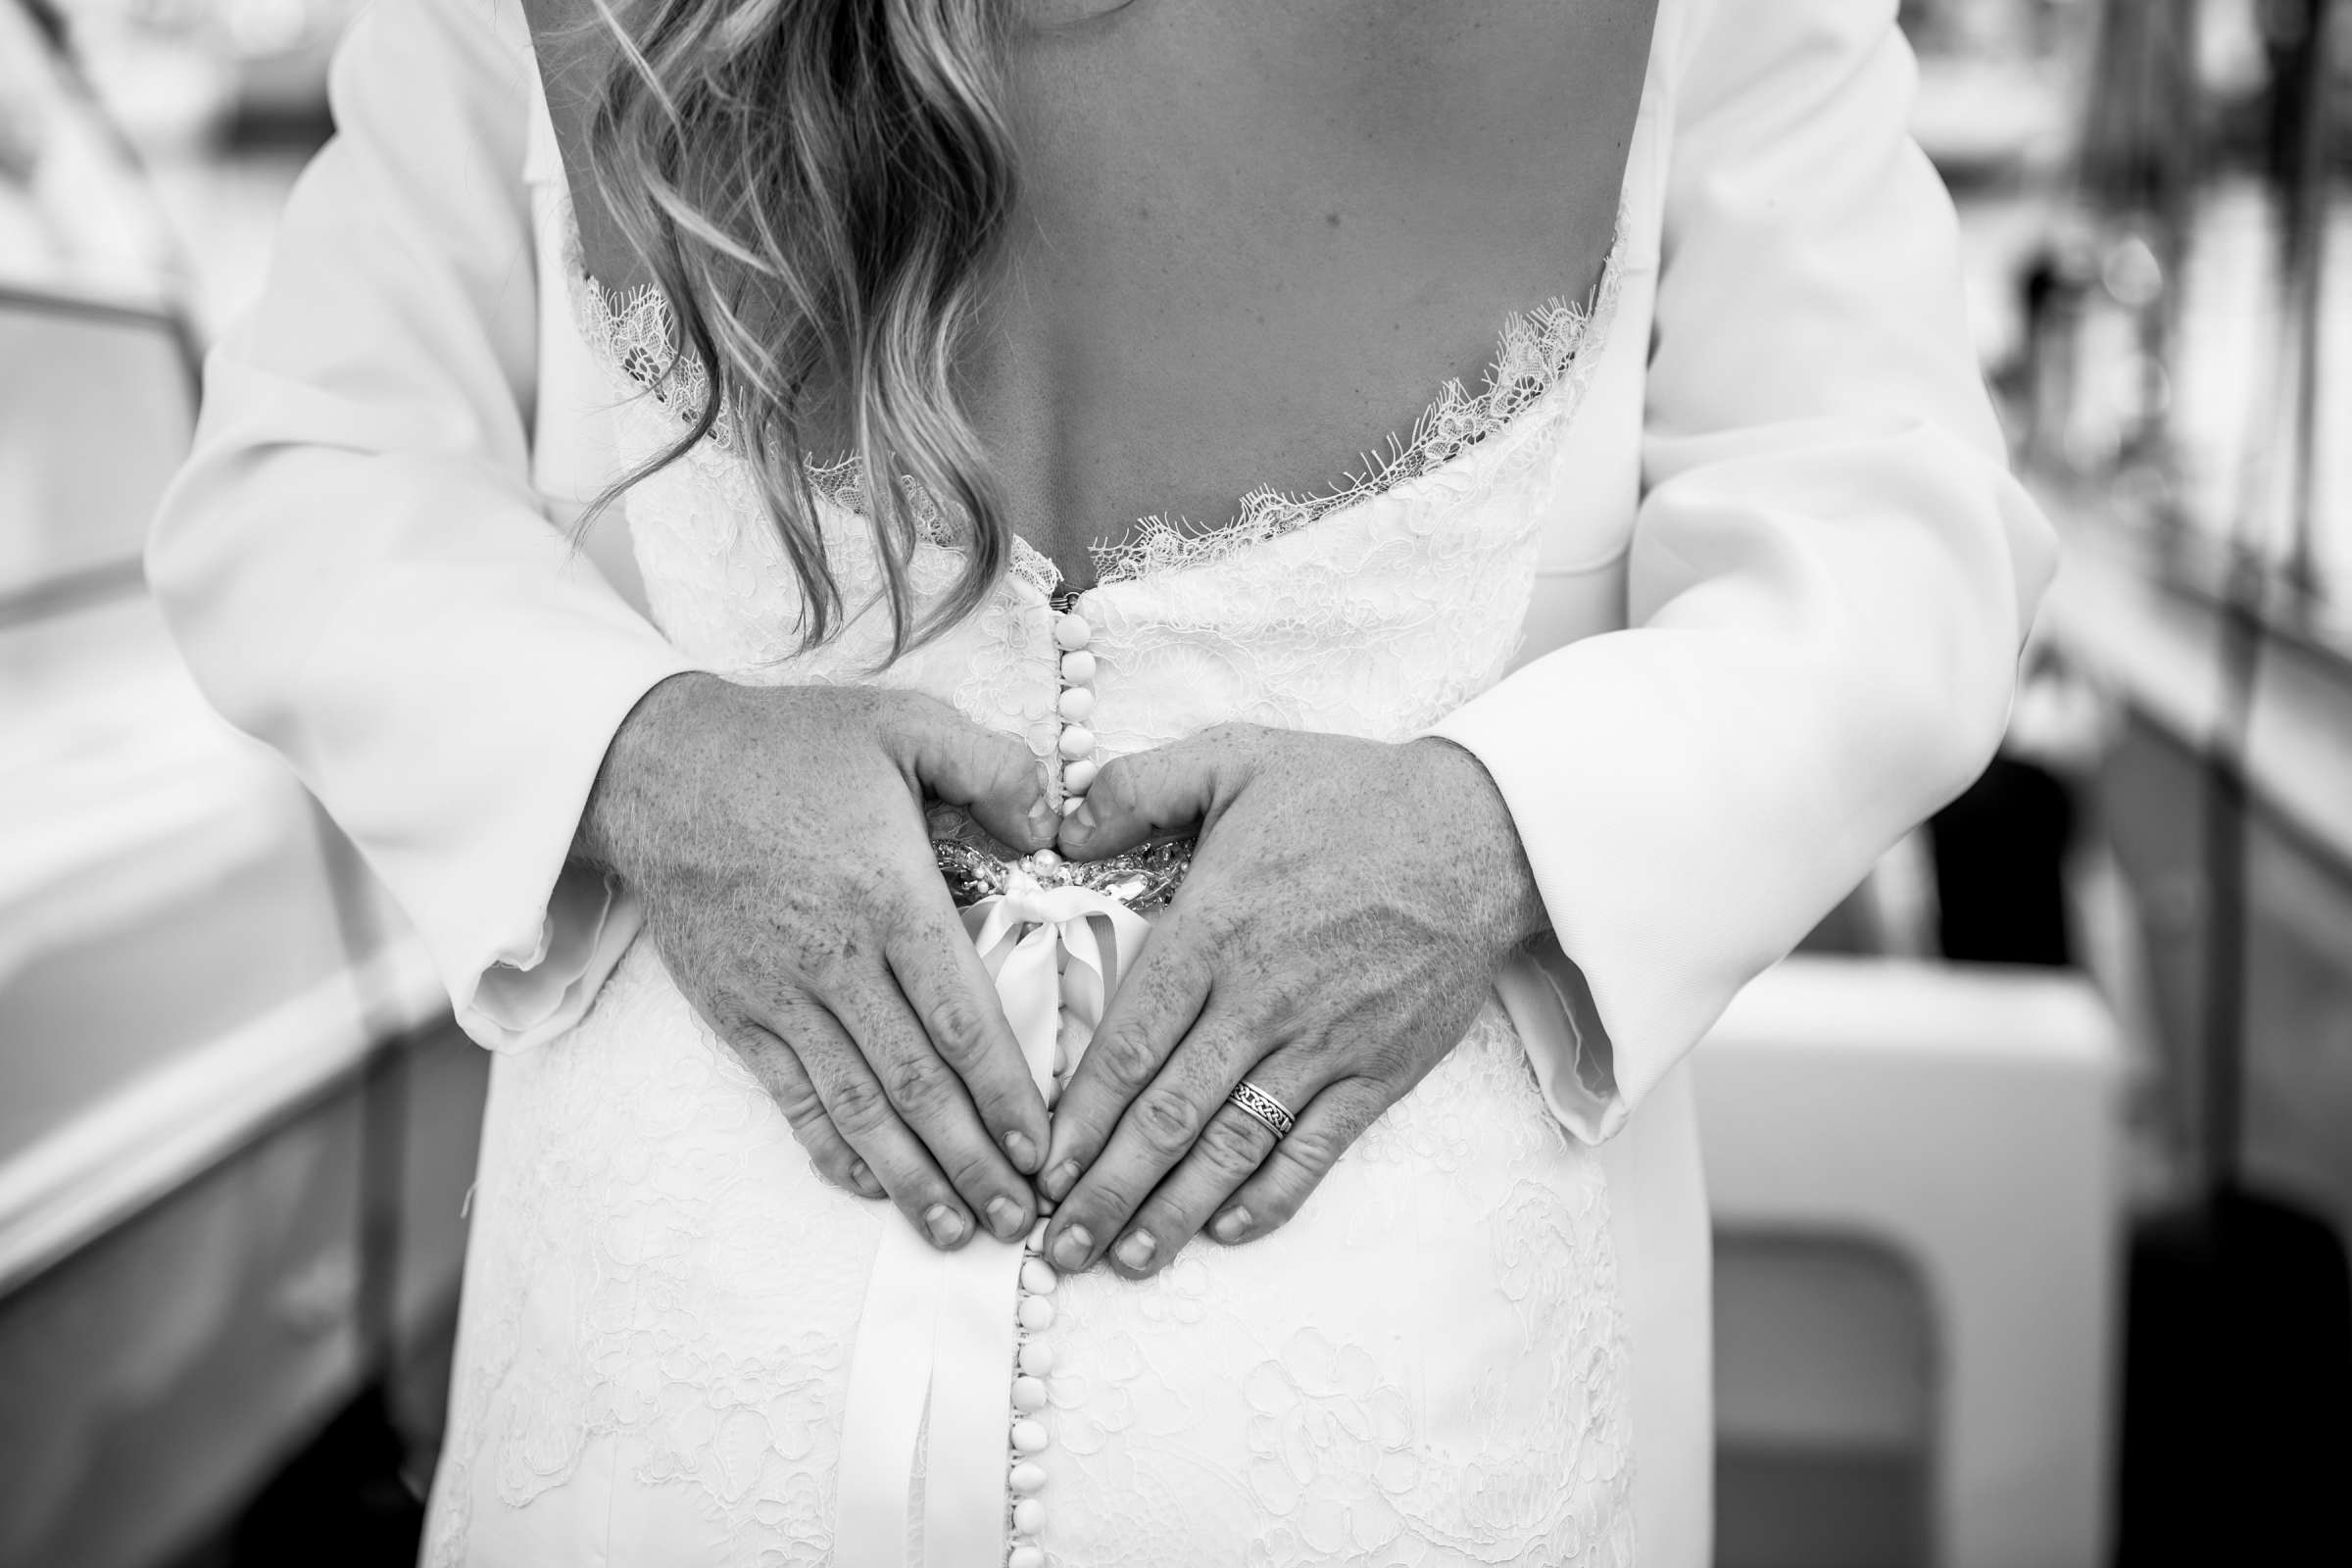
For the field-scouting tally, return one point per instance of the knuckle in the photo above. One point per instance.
(918, 1085)
(884, 903)
(1126, 1056)
(859, 1108)
(797, 1099)
(828, 956)
(956, 1026)
(1236, 1144)
(1167, 1120)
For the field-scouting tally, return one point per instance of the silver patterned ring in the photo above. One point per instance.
(1264, 1107)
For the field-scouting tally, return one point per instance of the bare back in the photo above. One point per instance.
(1254, 238)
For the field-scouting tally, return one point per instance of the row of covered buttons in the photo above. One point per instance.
(1035, 1362)
(1034, 1359)
(1076, 704)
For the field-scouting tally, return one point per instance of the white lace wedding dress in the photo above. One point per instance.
(659, 1358)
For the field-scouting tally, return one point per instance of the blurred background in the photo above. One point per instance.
(237, 1129)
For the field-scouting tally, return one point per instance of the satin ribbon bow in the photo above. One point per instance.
(934, 1357)
(1054, 953)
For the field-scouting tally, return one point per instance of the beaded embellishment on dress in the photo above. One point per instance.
(1144, 879)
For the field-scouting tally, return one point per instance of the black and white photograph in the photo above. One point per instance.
(1175, 783)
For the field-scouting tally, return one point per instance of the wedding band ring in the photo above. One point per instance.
(1264, 1107)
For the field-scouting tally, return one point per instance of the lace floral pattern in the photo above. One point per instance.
(1426, 1369)
(1537, 351)
(600, 1328)
(1454, 1396)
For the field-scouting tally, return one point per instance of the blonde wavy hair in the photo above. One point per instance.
(814, 186)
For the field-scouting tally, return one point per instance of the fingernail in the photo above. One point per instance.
(1044, 822)
(864, 1178)
(1136, 1251)
(1072, 1249)
(1230, 1225)
(1022, 1152)
(1005, 1218)
(1056, 1185)
(1081, 822)
(943, 1223)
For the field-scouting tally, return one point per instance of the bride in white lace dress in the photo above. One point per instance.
(1425, 1365)
(1317, 1189)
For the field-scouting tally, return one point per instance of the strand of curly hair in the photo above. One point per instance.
(815, 187)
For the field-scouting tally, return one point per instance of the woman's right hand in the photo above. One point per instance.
(776, 836)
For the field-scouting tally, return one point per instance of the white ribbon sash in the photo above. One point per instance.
(931, 1375)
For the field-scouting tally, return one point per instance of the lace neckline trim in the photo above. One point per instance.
(1550, 350)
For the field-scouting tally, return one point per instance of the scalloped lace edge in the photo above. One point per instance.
(1544, 351)
(1548, 350)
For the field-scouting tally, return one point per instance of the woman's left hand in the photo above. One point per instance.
(1347, 905)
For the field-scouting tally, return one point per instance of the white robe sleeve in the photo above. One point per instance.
(1831, 571)
(353, 561)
